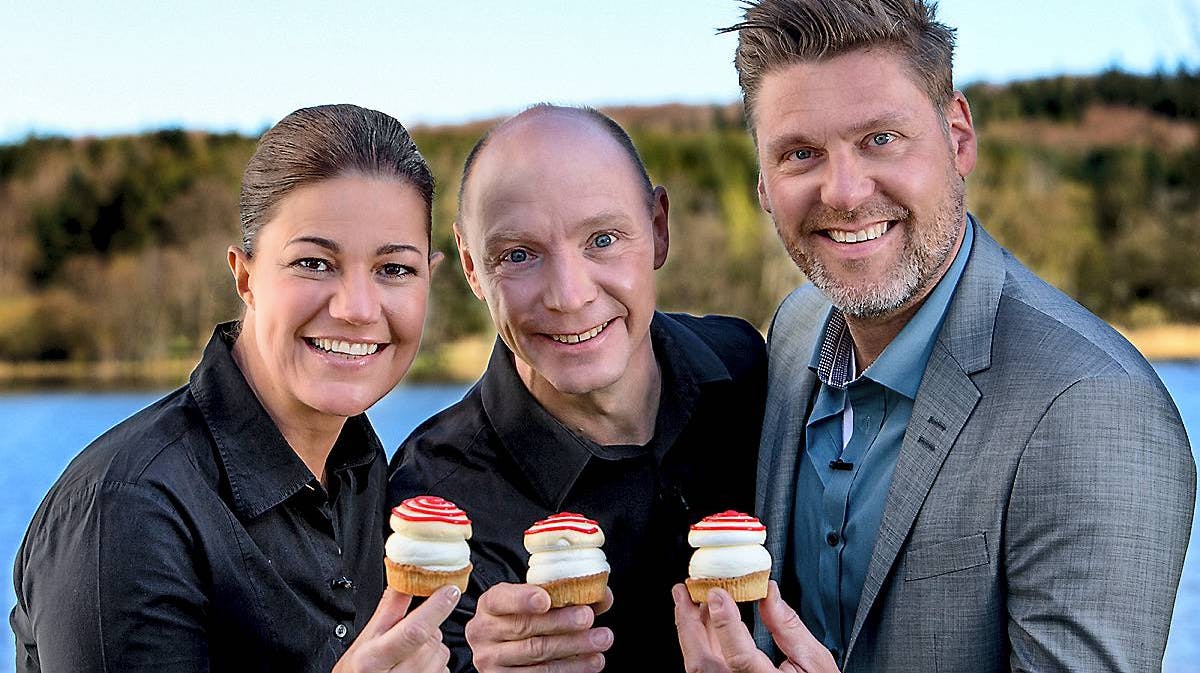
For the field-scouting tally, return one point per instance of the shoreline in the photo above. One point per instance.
(457, 362)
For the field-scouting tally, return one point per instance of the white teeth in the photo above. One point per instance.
(582, 336)
(869, 234)
(346, 347)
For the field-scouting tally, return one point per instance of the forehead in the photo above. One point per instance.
(838, 92)
(554, 172)
(350, 209)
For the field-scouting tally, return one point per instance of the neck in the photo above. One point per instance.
(310, 433)
(872, 335)
(622, 413)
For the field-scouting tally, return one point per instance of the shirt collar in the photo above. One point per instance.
(550, 455)
(902, 363)
(260, 466)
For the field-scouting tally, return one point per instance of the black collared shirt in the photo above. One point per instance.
(504, 459)
(191, 537)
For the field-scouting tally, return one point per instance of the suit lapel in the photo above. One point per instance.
(794, 332)
(944, 402)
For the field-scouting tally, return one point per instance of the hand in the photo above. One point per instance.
(714, 639)
(393, 643)
(514, 627)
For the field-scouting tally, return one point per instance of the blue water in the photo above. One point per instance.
(43, 431)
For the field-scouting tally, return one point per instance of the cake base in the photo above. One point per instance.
(586, 590)
(418, 581)
(750, 587)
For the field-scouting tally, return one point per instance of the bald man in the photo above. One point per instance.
(593, 401)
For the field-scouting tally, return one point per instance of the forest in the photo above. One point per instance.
(112, 250)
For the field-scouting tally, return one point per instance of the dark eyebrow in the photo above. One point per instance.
(333, 247)
(391, 248)
(329, 245)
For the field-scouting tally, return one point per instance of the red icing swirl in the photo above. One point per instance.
(431, 508)
(729, 520)
(565, 521)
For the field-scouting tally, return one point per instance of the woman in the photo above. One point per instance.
(237, 523)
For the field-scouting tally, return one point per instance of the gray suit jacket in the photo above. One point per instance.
(1042, 499)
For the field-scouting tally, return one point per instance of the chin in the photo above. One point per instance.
(343, 401)
(573, 382)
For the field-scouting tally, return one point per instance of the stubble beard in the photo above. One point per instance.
(926, 246)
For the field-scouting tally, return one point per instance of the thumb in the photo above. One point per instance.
(789, 632)
(391, 609)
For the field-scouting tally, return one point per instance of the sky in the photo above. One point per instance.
(88, 68)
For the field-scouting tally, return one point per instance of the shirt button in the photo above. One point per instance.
(341, 583)
(833, 539)
(340, 631)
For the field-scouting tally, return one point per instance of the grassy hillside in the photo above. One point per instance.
(113, 249)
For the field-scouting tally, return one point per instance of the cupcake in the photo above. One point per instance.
(428, 546)
(566, 560)
(729, 555)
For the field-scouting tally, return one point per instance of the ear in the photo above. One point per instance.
(435, 260)
(662, 234)
(468, 262)
(763, 200)
(961, 129)
(240, 265)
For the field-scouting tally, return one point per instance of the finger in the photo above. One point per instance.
(507, 628)
(543, 649)
(421, 626)
(429, 658)
(791, 635)
(391, 609)
(741, 654)
(697, 651)
(514, 599)
(605, 603)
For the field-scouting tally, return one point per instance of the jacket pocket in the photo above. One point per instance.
(946, 557)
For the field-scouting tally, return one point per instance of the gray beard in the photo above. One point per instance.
(920, 262)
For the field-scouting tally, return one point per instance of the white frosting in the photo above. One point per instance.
(428, 554)
(548, 566)
(725, 538)
(430, 530)
(728, 561)
(562, 539)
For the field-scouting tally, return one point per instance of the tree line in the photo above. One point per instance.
(112, 249)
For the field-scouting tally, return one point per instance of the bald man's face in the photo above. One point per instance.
(557, 237)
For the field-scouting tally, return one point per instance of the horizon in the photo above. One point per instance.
(78, 70)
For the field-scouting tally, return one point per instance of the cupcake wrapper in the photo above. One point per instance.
(418, 581)
(586, 590)
(750, 587)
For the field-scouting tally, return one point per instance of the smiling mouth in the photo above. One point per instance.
(869, 234)
(349, 349)
(582, 336)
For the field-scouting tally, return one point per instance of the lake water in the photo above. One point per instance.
(43, 431)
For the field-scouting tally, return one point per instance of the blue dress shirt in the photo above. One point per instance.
(851, 441)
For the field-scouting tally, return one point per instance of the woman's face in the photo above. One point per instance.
(336, 294)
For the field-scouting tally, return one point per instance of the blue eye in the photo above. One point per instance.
(604, 240)
(882, 138)
(517, 256)
(800, 155)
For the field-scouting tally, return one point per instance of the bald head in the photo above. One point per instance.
(551, 124)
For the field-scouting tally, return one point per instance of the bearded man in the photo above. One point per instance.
(961, 469)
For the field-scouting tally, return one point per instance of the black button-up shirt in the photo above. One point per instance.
(504, 459)
(191, 537)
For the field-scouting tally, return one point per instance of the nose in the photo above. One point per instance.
(847, 184)
(569, 285)
(356, 300)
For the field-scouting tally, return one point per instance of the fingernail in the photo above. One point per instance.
(715, 599)
(601, 637)
(596, 662)
(453, 592)
(581, 618)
